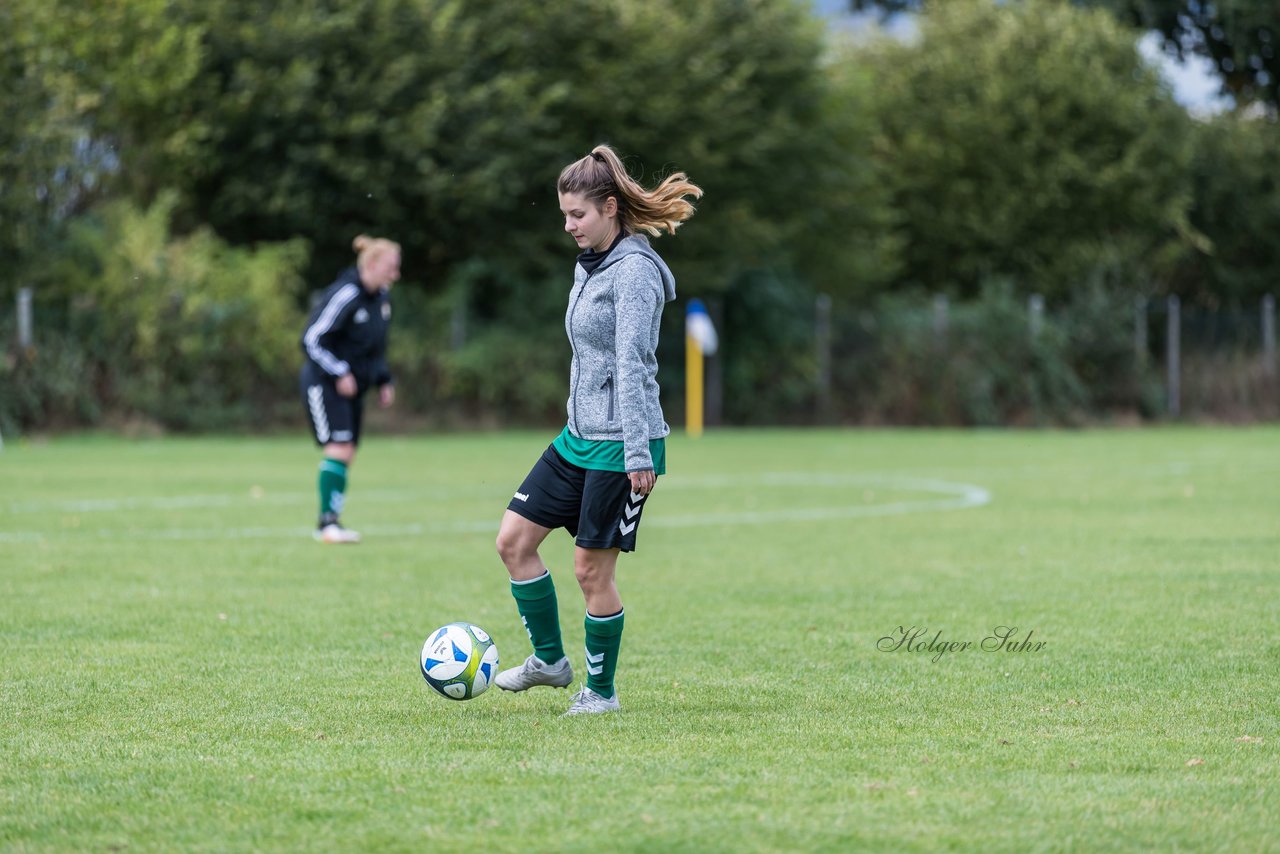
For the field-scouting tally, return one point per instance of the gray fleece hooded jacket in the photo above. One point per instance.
(613, 319)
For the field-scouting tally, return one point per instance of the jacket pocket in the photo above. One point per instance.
(607, 388)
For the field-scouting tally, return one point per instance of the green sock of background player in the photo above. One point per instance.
(333, 490)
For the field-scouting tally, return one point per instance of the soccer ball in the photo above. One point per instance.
(459, 660)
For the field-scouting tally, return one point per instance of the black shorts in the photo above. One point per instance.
(334, 418)
(597, 507)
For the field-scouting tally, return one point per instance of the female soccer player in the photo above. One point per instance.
(594, 478)
(345, 342)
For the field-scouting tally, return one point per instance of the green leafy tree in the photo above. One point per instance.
(70, 74)
(1028, 141)
(1237, 209)
(444, 123)
(185, 330)
(37, 144)
(1241, 37)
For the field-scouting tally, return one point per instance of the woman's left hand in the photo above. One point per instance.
(642, 482)
(386, 395)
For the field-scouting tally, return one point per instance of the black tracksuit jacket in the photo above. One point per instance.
(347, 332)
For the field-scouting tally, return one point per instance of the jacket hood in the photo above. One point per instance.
(638, 244)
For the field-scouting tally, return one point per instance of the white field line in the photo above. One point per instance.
(253, 497)
(947, 495)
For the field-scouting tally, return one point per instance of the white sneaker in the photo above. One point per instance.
(588, 702)
(335, 533)
(533, 672)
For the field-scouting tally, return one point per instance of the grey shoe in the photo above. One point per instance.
(588, 702)
(533, 672)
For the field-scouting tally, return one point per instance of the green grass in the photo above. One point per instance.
(185, 670)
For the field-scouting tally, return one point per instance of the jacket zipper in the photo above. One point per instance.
(574, 345)
(608, 386)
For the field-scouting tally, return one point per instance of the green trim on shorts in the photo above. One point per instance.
(604, 454)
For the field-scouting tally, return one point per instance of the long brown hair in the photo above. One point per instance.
(601, 174)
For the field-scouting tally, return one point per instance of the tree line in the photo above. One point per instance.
(176, 178)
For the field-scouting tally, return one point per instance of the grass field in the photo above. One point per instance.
(184, 669)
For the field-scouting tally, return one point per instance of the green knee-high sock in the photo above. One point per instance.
(604, 638)
(333, 490)
(536, 601)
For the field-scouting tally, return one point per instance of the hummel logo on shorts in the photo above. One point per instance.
(632, 509)
(522, 496)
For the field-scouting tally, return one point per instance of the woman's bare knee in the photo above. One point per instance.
(510, 547)
(594, 568)
(344, 452)
(517, 545)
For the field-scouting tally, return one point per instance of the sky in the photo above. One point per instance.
(1194, 84)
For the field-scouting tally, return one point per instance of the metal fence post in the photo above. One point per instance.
(822, 343)
(1173, 348)
(714, 415)
(24, 318)
(1035, 315)
(941, 319)
(1140, 332)
(458, 325)
(1269, 335)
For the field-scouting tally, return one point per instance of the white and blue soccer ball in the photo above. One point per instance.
(459, 660)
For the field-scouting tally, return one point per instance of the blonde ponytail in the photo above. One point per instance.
(369, 249)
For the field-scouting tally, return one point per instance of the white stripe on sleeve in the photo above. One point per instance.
(323, 324)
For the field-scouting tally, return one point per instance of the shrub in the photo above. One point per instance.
(186, 331)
